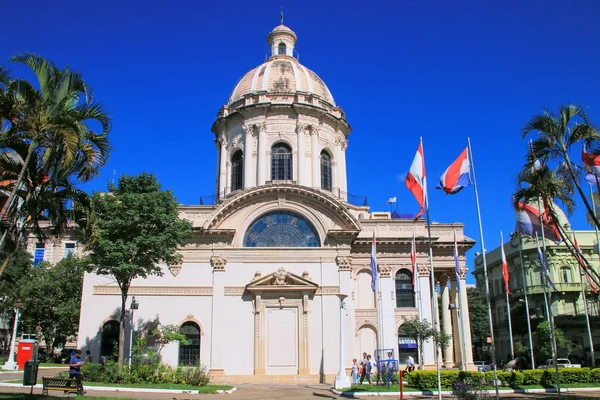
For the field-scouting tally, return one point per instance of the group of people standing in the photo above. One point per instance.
(365, 369)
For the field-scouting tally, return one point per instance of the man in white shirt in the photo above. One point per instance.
(410, 363)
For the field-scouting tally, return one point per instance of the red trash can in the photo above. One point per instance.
(26, 351)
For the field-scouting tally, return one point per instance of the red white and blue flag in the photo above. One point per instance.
(591, 163)
(457, 176)
(416, 181)
(504, 265)
(529, 223)
(544, 269)
(373, 263)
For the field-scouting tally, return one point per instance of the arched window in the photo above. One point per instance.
(189, 354)
(237, 170)
(405, 295)
(281, 162)
(281, 229)
(565, 274)
(281, 49)
(109, 342)
(407, 346)
(326, 181)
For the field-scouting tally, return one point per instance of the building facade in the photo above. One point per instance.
(567, 304)
(258, 290)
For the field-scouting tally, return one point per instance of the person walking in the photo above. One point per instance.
(363, 364)
(370, 369)
(354, 372)
(75, 370)
(410, 363)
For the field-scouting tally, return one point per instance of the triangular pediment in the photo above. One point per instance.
(282, 280)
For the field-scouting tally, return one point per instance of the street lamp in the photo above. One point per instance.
(342, 380)
(134, 306)
(11, 365)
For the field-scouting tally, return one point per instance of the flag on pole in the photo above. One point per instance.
(457, 176)
(416, 181)
(504, 265)
(583, 264)
(413, 260)
(544, 269)
(528, 221)
(591, 162)
(373, 263)
(391, 200)
(456, 264)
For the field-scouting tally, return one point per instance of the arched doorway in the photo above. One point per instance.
(189, 354)
(109, 342)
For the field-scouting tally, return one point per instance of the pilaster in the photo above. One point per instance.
(248, 148)
(425, 302)
(387, 291)
(300, 132)
(261, 156)
(222, 165)
(219, 314)
(314, 158)
(446, 319)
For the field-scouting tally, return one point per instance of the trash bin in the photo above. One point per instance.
(30, 372)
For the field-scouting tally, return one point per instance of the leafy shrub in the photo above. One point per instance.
(595, 375)
(575, 375)
(532, 376)
(548, 377)
(428, 379)
(474, 377)
(516, 379)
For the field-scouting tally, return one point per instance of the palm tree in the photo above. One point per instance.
(556, 135)
(54, 122)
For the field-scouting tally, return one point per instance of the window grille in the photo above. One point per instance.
(281, 162)
(281, 229)
(237, 171)
(405, 295)
(189, 354)
(326, 181)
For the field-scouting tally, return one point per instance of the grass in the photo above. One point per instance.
(209, 389)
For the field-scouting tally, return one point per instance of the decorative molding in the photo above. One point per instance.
(155, 290)
(218, 263)
(234, 290)
(463, 273)
(175, 269)
(344, 263)
(328, 291)
(424, 270)
(384, 271)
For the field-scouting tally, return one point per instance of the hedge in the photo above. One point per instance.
(428, 379)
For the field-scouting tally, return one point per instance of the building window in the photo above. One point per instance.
(407, 346)
(109, 342)
(237, 170)
(189, 354)
(281, 49)
(281, 162)
(69, 249)
(281, 229)
(38, 256)
(565, 274)
(326, 181)
(405, 295)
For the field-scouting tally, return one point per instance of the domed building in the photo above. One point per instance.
(258, 292)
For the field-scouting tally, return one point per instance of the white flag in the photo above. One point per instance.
(391, 200)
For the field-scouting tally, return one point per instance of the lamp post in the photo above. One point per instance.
(134, 306)
(342, 380)
(11, 365)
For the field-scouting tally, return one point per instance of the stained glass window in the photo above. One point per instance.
(326, 181)
(189, 354)
(281, 229)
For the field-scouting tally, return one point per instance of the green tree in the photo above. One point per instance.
(421, 331)
(51, 297)
(136, 227)
(543, 338)
(55, 120)
(478, 315)
(556, 135)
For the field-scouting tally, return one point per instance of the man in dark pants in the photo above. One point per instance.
(75, 370)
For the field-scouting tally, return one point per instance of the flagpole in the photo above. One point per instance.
(598, 247)
(461, 332)
(377, 294)
(526, 300)
(380, 313)
(510, 334)
(434, 306)
(485, 272)
(587, 318)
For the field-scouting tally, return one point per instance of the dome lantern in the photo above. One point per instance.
(282, 41)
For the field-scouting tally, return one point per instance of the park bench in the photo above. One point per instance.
(62, 384)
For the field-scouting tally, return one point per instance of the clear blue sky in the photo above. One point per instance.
(444, 70)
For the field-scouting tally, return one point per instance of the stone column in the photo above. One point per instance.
(227, 177)
(344, 264)
(222, 166)
(446, 319)
(455, 325)
(336, 167)
(248, 148)
(300, 131)
(387, 291)
(261, 156)
(342, 166)
(314, 158)
(219, 316)
(425, 292)
(466, 324)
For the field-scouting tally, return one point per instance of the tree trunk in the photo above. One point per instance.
(422, 354)
(581, 194)
(13, 194)
(122, 328)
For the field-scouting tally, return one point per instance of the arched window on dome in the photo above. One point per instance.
(281, 229)
(189, 354)
(405, 295)
(281, 49)
(281, 162)
(326, 181)
(237, 170)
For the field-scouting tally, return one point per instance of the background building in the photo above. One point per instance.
(256, 293)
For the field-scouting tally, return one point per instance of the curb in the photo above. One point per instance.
(357, 395)
(129, 390)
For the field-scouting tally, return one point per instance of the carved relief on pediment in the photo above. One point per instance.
(282, 280)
